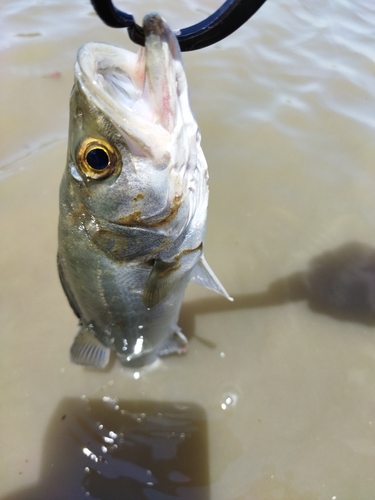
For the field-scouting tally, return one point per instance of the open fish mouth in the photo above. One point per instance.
(144, 94)
(132, 226)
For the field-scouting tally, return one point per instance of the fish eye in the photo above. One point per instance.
(98, 159)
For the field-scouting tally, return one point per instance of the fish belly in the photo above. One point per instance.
(108, 298)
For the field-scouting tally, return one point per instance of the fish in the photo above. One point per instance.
(133, 201)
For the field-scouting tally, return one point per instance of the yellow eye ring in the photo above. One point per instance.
(98, 159)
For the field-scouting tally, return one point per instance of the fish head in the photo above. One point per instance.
(134, 154)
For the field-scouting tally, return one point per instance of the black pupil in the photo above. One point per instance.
(97, 159)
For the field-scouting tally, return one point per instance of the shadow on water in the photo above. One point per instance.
(115, 450)
(339, 283)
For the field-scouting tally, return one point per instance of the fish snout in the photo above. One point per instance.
(154, 24)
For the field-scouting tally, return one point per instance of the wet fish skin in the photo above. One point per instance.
(131, 234)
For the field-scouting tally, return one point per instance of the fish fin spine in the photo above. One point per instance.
(203, 275)
(87, 350)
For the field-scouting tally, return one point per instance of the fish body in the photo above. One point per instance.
(133, 201)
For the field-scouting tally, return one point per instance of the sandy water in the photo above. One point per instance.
(285, 376)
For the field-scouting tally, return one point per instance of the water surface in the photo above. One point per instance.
(285, 374)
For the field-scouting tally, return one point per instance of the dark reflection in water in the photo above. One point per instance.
(123, 450)
(339, 283)
(343, 281)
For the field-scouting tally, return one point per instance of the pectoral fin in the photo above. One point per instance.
(164, 276)
(203, 275)
(87, 350)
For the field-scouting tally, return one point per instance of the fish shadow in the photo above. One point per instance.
(339, 283)
(138, 450)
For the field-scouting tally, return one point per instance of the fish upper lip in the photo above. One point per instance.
(134, 218)
(108, 224)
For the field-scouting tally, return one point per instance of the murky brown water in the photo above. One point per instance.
(285, 374)
(127, 449)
